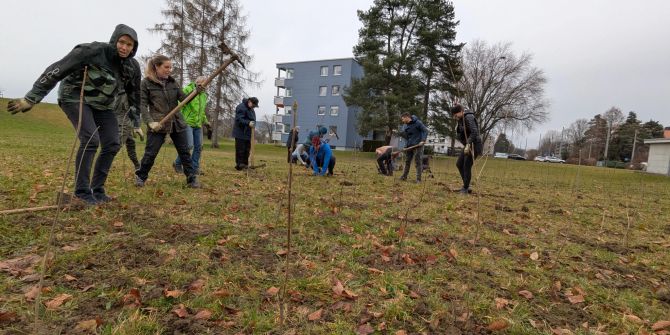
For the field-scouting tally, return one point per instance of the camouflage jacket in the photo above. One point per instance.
(108, 74)
(157, 99)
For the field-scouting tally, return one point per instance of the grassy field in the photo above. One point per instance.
(539, 249)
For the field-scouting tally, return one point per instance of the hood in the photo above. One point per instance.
(414, 118)
(244, 101)
(121, 30)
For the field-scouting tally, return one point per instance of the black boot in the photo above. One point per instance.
(193, 182)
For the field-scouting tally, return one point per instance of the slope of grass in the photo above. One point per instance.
(540, 248)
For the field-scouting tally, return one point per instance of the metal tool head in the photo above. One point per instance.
(228, 51)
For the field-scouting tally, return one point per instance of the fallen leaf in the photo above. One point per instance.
(67, 277)
(486, 251)
(377, 271)
(414, 295)
(117, 224)
(181, 311)
(69, 248)
(88, 325)
(453, 253)
(173, 294)
(501, 303)
(315, 315)
(32, 293)
(534, 256)
(497, 325)
(407, 259)
(659, 325)
(204, 314)
(633, 318)
(400, 332)
(272, 291)
(197, 285)
(338, 288)
(132, 299)
(364, 329)
(526, 294)
(7, 316)
(58, 301)
(281, 252)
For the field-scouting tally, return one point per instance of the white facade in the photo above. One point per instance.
(659, 156)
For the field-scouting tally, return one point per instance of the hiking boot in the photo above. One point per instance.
(178, 167)
(464, 191)
(418, 181)
(139, 182)
(403, 178)
(88, 199)
(193, 182)
(102, 197)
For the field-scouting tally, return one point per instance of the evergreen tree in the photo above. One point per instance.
(503, 144)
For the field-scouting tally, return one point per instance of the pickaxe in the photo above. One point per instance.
(233, 57)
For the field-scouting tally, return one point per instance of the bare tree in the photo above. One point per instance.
(267, 126)
(576, 133)
(176, 43)
(498, 85)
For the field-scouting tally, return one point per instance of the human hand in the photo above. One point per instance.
(252, 124)
(19, 105)
(466, 150)
(138, 132)
(155, 126)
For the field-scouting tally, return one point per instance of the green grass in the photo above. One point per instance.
(228, 235)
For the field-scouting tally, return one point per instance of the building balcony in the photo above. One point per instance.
(279, 102)
(280, 82)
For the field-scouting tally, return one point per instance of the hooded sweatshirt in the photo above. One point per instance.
(107, 74)
(414, 132)
(243, 115)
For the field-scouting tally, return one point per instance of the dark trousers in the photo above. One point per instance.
(242, 149)
(331, 164)
(155, 142)
(417, 154)
(132, 151)
(99, 128)
(384, 163)
(464, 164)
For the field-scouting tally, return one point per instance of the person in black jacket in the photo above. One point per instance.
(110, 68)
(160, 94)
(245, 121)
(467, 132)
(415, 133)
(292, 142)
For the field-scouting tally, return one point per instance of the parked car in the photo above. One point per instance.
(516, 157)
(540, 159)
(500, 155)
(554, 160)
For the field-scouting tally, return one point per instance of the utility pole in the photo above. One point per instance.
(632, 155)
(560, 147)
(607, 141)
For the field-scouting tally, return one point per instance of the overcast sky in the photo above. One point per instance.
(595, 53)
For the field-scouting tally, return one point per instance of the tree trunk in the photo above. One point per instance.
(426, 93)
(182, 63)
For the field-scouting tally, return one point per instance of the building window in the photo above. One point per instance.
(288, 110)
(321, 111)
(324, 71)
(323, 91)
(337, 70)
(289, 92)
(336, 90)
(334, 110)
(279, 127)
(289, 73)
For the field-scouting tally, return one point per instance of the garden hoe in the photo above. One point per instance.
(66, 201)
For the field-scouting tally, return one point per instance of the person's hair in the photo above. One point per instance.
(456, 109)
(405, 114)
(152, 64)
(200, 79)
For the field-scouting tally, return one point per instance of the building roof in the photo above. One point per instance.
(657, 141)
(318, 60)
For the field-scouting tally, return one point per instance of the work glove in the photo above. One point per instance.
(19, 105)
(138, 132)
(155, 126)
(467, 149)
(252, 124)
(422, 143)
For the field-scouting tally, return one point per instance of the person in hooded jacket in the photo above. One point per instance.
(467, 132)
(245, 121)
(110, 69)
(415, 133)
(160, 94)
(321, 156)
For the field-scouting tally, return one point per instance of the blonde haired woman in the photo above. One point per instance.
(159, 94)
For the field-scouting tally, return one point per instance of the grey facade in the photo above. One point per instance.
(318, 87)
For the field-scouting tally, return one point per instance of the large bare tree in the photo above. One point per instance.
(499, 86)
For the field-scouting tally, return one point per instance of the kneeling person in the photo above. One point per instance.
(321, 157)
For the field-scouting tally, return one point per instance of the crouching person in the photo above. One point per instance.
(385, 159)
(321, 157)
(160, 94)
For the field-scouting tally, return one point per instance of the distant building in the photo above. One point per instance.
(659, 155)
(317, 86)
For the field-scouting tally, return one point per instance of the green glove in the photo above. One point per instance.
(19, 105)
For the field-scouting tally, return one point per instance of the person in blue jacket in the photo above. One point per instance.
(322, 158)
(415, 133)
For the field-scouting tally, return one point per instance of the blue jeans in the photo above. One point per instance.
(194, 137)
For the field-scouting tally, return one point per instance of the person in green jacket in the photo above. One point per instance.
(195, 117)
